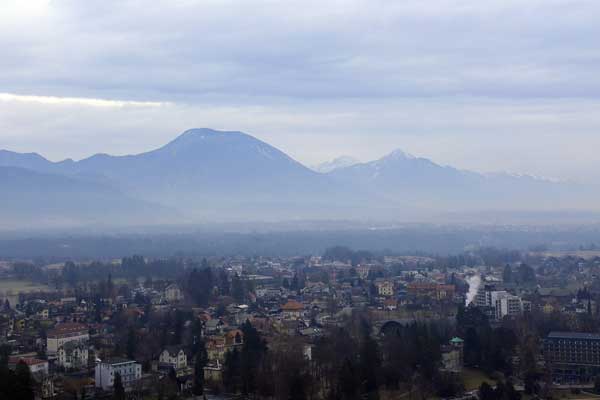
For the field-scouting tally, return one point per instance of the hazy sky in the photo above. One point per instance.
(484, 85)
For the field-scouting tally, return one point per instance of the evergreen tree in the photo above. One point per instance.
(507, 274)
(348, 381)
(131, 343)
(119, 390)
(23, 383)
(237, 289)
(370, 365)
(201, 360)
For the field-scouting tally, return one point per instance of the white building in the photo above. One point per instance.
(174, 356)
(501, 302)
(129, 370)
(73, 355)
(173, 293)
(384, 288)
(65, 333)
(36, 366)
(508, 305)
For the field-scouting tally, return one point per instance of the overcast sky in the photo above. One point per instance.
(483, 85)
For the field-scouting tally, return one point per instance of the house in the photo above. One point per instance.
(64, 333)
(129, 370)
(384, 288)
(214, 326)
(173, 356)
(292, 309)
(173, 293)
(215, 348)
(572, 356)
(452, 355)
(213, 372)
(433, 290)
(36, 366)
(73, 355)
(234, 337)
(390, 304)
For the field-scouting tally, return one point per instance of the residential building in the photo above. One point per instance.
(384, 288)
(508, 305)
(173, 293)
(73, 355)
(292, 309)
(173, 356)
(129, 370)
(572, 356)
(64, 333)
(36, 366)
(433, 290)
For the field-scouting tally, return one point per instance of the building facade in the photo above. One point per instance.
(572, 357)
(65, 333)
(173, 356)
(130, 372)
(73, 355)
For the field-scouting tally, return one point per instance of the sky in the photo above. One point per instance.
(495, 85)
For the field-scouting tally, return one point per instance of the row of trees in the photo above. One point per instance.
(17, 384)
(346, 363)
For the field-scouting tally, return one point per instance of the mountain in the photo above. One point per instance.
(419, 182)
(339, 162)
(208, 175)
(31, 161)
(44, 200)
(212, 174)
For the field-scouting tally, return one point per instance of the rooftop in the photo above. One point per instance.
(573, 335)
(292, 305)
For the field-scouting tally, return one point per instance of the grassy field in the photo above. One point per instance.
(473, 378)
(585, 254)
(14, 287)
(568, 394)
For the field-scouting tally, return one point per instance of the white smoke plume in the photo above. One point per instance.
(474, 283)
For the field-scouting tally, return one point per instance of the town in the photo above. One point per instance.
(487, 324)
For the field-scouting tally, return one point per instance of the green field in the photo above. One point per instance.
(473, 378)
(14, 287)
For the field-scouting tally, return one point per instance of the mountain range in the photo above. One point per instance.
(336, 163)
(208, 175)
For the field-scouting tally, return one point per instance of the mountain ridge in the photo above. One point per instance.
(210, 175)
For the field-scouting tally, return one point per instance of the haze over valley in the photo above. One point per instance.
(208, 176)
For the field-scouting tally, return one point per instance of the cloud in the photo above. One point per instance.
(500, 84)
(192, 50)
(77, 101)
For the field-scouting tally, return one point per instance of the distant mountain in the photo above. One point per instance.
(31, 161)
(339, 162)
(43, 200)
(419, 182)
(207, 175)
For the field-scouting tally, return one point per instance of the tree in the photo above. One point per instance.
(348, 382)
(369, 365)
(507, 274)
(200, 284)
(232, 371)
(531, 385)
(253, 351)
(597, 384)
(131, 343)
(237, 289)
(201, 360)
(119, 390)
(23, 382)
(526, 274)
(486, 392)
